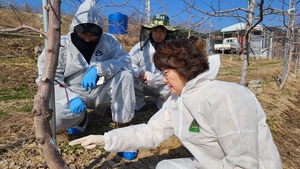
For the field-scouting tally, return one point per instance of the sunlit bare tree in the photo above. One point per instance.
(252, 21)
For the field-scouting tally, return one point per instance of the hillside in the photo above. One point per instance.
(28, 39)
(18, 148)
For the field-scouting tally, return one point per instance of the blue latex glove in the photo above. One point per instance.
(77, 105)
(129, 155)
(89, 79)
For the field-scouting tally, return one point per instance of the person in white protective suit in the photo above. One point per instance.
(94, 71)
(147, 79)
(221, 123)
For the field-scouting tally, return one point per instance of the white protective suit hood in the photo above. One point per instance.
(214, 65)
(87, 13)
(211, 73)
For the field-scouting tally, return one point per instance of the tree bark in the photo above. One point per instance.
(290, 45)
(245, 58)
(42, 112)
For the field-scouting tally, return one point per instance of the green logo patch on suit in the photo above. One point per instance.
(194, 127)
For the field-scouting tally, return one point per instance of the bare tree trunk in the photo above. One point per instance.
(291, 45)
(288, 64)
(243, 76)
(41, 111)
(245, 58)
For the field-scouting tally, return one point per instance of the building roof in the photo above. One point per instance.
(240, 26)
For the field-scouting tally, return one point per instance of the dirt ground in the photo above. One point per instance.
(18, 148)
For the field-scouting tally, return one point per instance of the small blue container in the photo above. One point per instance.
(117, 23)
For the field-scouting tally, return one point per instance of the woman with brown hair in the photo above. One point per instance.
(221, 123)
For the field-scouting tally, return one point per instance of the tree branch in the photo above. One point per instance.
(24, 27)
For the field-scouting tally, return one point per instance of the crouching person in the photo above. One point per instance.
(148, 79)
(221, 123)
(93, 72)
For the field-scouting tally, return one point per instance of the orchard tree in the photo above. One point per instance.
(42, 112)
(291, 41)
(189, 24)
(249, 26)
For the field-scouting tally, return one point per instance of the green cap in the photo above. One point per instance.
(160, 20)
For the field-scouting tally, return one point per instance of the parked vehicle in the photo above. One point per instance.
(229, 45)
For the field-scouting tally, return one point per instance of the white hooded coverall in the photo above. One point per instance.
(232, 128)
(142, 61)
(111, 61)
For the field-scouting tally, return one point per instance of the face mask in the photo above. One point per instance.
(85, 46)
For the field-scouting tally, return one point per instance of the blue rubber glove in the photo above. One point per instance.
(77, 105)
(89, 79)
(129, 155)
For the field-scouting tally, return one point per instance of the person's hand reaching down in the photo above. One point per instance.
(89, 142)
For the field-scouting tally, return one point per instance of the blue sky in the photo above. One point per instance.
(175, 9)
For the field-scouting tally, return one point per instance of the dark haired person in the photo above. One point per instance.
(147, 79)
(221, 123)
(94, 71)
